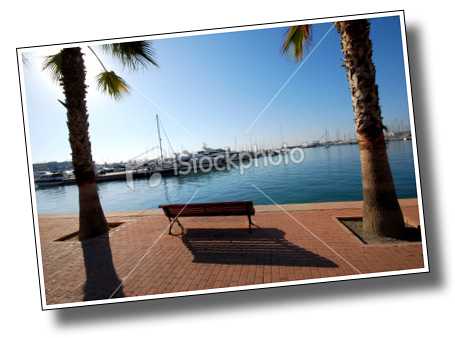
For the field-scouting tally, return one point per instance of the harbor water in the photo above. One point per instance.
(325, 175)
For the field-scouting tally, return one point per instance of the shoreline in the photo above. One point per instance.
(259, 208)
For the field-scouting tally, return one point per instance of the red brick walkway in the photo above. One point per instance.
(213, 253)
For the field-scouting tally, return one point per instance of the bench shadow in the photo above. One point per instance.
(265, 246)
(101, 278)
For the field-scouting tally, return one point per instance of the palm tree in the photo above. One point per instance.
(67, 67)
(382, 215)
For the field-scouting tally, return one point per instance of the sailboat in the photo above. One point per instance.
(163, 165)
(327, 143)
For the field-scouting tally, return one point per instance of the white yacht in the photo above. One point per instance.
(48, 178)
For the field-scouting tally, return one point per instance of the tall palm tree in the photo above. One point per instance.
(67, 67)
(382, 215)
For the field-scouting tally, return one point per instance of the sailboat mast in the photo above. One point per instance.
(281, 134)
(159, 137)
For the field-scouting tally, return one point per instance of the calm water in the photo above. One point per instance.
(325, 175)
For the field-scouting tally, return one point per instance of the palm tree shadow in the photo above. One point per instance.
(265, 246)
(102, 281)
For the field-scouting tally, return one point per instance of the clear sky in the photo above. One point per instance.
(210, 88)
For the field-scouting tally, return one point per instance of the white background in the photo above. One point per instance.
(415, 305)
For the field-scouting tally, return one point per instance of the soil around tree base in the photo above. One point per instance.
(355, 225)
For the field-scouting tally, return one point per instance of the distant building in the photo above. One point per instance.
(53, 166)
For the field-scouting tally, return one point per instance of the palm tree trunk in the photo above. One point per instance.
(382, 215)
(91, 217)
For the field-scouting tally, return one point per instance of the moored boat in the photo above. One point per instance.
(54, 178)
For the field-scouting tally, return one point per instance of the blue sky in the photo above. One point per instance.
(215, 85)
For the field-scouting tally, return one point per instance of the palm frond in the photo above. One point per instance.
(112, 84)
(298, 39)
(53, 64)
(133, 55)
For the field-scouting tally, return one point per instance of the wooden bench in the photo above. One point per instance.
(174, 211)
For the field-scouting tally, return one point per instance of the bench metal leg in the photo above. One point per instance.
(170, 226)
(251, 223)
(172, 223)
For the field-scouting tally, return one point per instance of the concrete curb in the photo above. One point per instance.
(259, 208)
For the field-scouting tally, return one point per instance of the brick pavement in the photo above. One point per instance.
(214, 252)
